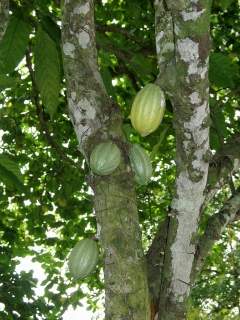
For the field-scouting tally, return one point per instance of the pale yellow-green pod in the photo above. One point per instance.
(148, 109)
(83, 258)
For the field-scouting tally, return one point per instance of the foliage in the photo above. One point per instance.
(46, 205)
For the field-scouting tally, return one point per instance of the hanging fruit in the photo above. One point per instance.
(83, 258)
(141, 164)
(105, 158)
(148, 109)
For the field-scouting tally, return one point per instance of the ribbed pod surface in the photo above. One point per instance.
(148, 109)
(105, 158)
(83, 258)
(141, 164)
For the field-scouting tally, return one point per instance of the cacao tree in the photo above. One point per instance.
(76, 66)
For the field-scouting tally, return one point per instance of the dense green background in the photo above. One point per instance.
(42, 173)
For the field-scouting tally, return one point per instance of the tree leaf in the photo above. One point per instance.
(10, 173)
(51, 28)
(224, 4)
(13, 44)
(214, 140)
(222, 72)
(6, 82)
(47, 68)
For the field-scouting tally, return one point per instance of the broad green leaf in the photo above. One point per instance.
(10, 173)
(47, 70)
(51, 28)
(13, 44)
(214, 140)
(6, 82)
(225, 3)
(222, 72)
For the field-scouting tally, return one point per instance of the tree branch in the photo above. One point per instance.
(164, 30)
(117, 29)
(87, 97)
(4, 11)
(215, 226)
(123, 69)
(122, 57)
(224, 164)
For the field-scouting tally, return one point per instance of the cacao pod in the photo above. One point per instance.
(83, 258)
(141, 164)
(148, 109)
(105, 158)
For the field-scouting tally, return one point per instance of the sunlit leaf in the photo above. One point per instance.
(14, 44)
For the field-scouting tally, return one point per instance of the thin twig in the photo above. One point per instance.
(124, 32)
(122, 57)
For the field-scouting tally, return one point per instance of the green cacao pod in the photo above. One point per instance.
(148, 109)
(105, 158)
(83, 258)
(141, 164)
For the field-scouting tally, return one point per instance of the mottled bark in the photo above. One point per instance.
(187, 85)
(4, 10)
(95, 118)
(165, 47)
(124, 273)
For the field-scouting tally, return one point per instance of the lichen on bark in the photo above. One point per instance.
(191, 114)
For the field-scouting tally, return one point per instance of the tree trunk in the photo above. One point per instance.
(95, 118)
(126, 287)
(182, 40)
